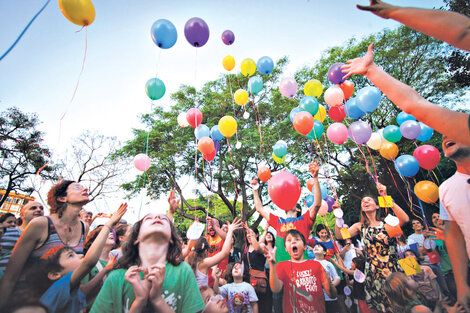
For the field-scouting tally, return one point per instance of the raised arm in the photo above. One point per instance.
(93, 286)
(354, 230)
(401, 215)
(328, 285)
(274, 282)
(313, 210)
(251, 236)
(258, 204)
(174, 203)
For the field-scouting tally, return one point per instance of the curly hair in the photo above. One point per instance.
(399, 292)
(56, 191)
(4, 216)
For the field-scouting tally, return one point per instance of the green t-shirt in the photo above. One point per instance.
(446, 267)
(180, 292)
(90, 299)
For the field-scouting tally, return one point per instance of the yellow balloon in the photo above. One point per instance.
(313, 88)
(427, 191)
(79, 12)
(321, 114)
(248, 67)
(227, 126)
(389, 150)
(228, 62)
(240, 97)
(278, 160)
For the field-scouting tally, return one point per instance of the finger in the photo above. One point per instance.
(371, 48)
(366, 8)
(347, 75)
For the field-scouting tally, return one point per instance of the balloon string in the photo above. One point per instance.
(324, 165)
(24, 31)
(234, 167)
(259, 130)
(158, 62)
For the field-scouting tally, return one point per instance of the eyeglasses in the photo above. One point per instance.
(77, 187)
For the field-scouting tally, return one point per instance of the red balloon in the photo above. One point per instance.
(194, 117)
(303, 122)
(284, 190)
(206, 145)
(427, 156)
(209, 157)
(337, 114)
(264, 173)
(348, 89)
(310, 184)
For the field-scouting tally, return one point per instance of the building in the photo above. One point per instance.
(14, 202)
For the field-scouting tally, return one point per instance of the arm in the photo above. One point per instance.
(254, 306)
(447, 122)
(258, 204)
(342, 268)
(262, 239)
(174, 203)
(354, 230)
(327, 285)
(274, 282)
(313, 167)
(93, 286)
(401, 215)
(216, 274)
(451, 27)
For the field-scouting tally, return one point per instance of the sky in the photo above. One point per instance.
(40, 74)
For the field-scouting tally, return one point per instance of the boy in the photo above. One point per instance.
(320, 251)
(303, 280)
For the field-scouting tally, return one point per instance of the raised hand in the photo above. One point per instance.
(236, 224)
(174, 203)
(381, 189)
(359, 66)
(438, 232)
(111, 262)
(314, 168)
(141, 286)
(116, 217)
(377, 7)
(270, 255)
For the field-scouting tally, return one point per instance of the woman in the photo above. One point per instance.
(61, 227)
(380, 248)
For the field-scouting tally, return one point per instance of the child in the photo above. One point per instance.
(240, 294)
(402, 295)
(303, 280)
(320, 252)
(214, 303)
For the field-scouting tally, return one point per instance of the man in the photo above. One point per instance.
(86, 217)
(216, 238)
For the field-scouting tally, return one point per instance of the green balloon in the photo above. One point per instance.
(155, 88)
(392, 133)
(309, 104)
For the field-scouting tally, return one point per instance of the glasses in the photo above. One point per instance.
(76, 187)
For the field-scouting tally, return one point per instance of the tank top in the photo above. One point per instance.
(202, 279)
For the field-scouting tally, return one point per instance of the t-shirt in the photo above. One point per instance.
(331, 271)
(59, 298)
(179, 290)
(454, 194)
(446, 266)
(239, 296)
(302, 286)
(94, 271)
(331, 247)
(8, 242)
(216, 244)
(303, 224)
(423, 281)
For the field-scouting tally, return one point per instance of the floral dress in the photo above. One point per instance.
(382, 260)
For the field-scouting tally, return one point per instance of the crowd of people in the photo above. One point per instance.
(56, 263)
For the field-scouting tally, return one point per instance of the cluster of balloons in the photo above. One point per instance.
(280, 151)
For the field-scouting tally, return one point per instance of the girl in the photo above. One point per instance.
(122, 232)
(323, 237)
(214, 303)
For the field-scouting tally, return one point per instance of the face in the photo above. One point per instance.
(436, 220)
(224, 228)
(110, 239)
(76, 194)
(86, 217)
(323, 235)
(318, 250)
(295, 246)
(409, 254)
(10, 222)
(153, 224)
(368, 204)
(416, 225)
(237, 270)
(70, 261)
(214, 303)
(269, 237)
(31, 210)
(454, 150)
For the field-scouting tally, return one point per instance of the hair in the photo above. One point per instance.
(229, 276)
(22, 304)
(418, 220)
(91, 237)
(198, 253)
(4, 216)
(295, 233)
(130, 249)
(299, 213)
(398, 292)
(418, 257)
(83, 211)
(255, 229)
(379, 216)
(321, 227)
(56, 191)
(321, 245)
(360, 263)
(120, 230)
(274, 238)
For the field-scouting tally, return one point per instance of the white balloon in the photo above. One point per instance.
(375, 142)
(334, 96)
(246, 115)
(182, 121)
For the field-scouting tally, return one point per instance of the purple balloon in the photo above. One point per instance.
(330, 201)
(196, 32)
(228, 37)
(410, 129)
(335, 74)
(360, 132)
(216, 146)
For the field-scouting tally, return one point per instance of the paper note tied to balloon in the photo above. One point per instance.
(410, 266)
(385, 202)
(345, 233)
(195, 231)
(393, 231)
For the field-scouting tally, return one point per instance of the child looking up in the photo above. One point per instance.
(320, 253)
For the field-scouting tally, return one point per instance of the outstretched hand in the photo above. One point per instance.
(359, 66)
(381, 189)
(314, 168)
(270, 255)
(116, 217)
(174, 203)
(236, 224)
(377, 7)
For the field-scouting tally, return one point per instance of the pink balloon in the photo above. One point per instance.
(194, 117)
(142, 162)
(324, 208)
(288, 87)
(428, 156)
(284, 190)
(337, 133)
(334, 96)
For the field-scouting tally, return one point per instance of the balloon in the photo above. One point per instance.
(303, 122)
(392, 133)
(313, 88)
(309, 200)
(335, 74)
(317, 130)
(228, 37)
(352, 109)
(334, 96)
(209, 157)
(337, 113)
(348, 89)
(368, 98)
(79, 12)
(426, 132)
(321, 114)
(241, 97)
(323, 191)
(264, 173)
(206, 145)
(360, 132)
(280, 148)
(202, 131)
(330, 201)
(288, 87)
(310, 184)
(293, 112)
(248, 67)
(428, 156)
(402, 117)
(182, 121)
(427, 191)
(375, 141)
(142, 162)
(228, 62)
(216, 146)
(255, 85)
(196, 32)
(309, 104)
(389, 150)
(278, 160)
(194, 117)
(323, 209)
(164, 33)
(407, 165)
(227, 126)
(155, 88)
(284, 190)
(337, 133)
(410, 129)
(215, 133)
(265, 65)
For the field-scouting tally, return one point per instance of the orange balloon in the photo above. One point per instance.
(348, 89)
(206, 145)
(389, 150)
(264, 173)
(303, 122)
(427, 191)
(310, 184)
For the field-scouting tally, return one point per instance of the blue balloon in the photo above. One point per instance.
(280, 149)
(316, 131)
(309, 200)
(293, 112)
(407, 165)
(426, 132)
(265, 65)
(368, 98)
(164, 33)
(202, 131)
(216, 146)
(402, 117)
(352, 109)
(309, 104)
(323, 191)
(255, 85)
(216, 134)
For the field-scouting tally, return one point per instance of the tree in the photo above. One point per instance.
(23, 153)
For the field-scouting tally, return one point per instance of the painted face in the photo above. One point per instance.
(77, 194)
(454, 150)
(10, 222)
(416, 225)
(214, 303)
(70, 261)
(31, 210)
(237, 270)
(368, 204)
(153, 224)
(323, 235)
(294, 246)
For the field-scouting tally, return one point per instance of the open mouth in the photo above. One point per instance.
(295, 249)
